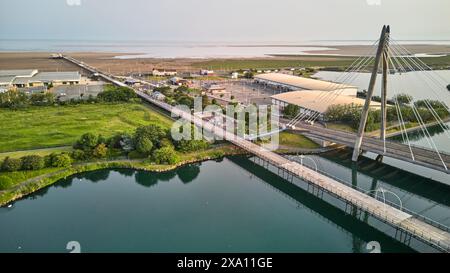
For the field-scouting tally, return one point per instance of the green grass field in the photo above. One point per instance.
(40, 152)
(296, 141)
(54, 126)
(233, 64)
(300, 61)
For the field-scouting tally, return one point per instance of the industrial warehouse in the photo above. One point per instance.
(65, 85)
(33, 78)
(285, 82)
(315, 101)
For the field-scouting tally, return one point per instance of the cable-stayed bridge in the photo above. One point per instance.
(387, 58)
(396, 221)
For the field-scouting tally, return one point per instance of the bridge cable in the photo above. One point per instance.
(330, 96)
(423, 126)
(440, 122)
(346, 75)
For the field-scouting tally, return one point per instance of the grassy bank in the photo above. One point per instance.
(296, 141)
(280, 62)
(26, 182)
(43, 127)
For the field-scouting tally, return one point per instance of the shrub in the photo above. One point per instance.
(191, 145)
(100, 151)
(403, 98)
(11, 164)
(78, 155)
(136, 155)
(165, 155)
(86, 142)
(153, 133)
(60, 160)
(32, 162)
(291, 110)
(116, 94)
(144, 145)
(5, 182)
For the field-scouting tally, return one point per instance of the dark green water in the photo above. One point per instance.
(226, 206)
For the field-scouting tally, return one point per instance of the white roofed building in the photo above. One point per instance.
(286, 82)
(316, 101)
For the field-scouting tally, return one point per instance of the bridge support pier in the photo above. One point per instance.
(381, 53)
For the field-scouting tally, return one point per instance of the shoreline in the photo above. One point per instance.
(137, 62)
(34, 184)
(37, 183)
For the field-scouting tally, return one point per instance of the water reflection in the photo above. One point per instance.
(418, 134)
(189, 173)
(146, 179)
(419, 194)
(358, 227)
(96, 177)
(126, 172)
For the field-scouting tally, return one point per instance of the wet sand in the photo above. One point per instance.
(107, 62)
(352, 50)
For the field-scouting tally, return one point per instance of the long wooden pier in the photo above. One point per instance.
(428, 232)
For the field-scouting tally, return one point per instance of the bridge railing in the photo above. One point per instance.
(393, 204)
(378, 214)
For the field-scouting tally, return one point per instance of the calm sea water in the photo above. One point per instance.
(159, 49)
(184, 49)
(230, 205)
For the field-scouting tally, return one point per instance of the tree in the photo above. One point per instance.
(165, 155)
(192, 144)
(144, 145)
(102, 139)
(403, 98)
(249, 75)
(87, 142)
(13, 99)
(116, 94)
(11, 164)
(60, 160)
(291, 110)
(186, 100)
(5, 182)
(79, 155)
(32, 162)
(154, 133)
(448, 87)
(100, 151)
(205, 100)
(42, 99)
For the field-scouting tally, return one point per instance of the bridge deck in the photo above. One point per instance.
(380, 210)
(422, 156)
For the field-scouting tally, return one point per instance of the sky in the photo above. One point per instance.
(224, 20)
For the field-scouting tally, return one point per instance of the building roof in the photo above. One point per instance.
(18, 72)
(57, 76)
(302, 83)
(314, 100)
(49, 77)
(6, 79)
